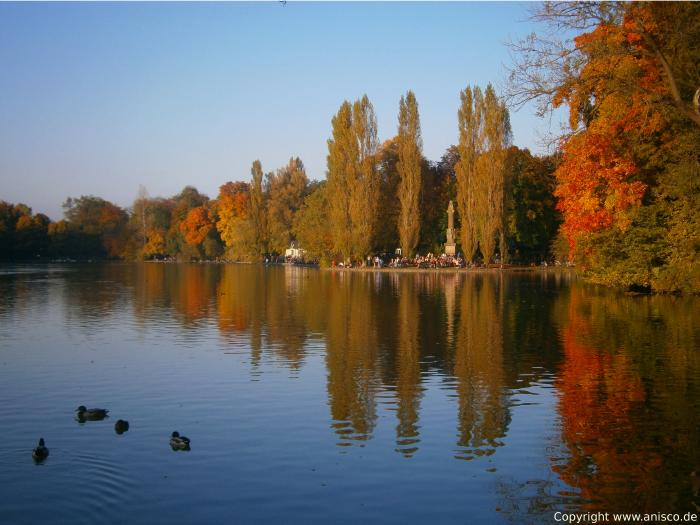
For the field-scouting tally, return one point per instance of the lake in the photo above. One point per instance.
(316, 396)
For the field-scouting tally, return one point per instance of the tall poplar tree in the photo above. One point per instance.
(139, 210)
(409, 169)
(341, 152)
(353, 179)
(484, 135)
(491, 175)
(469, 119)
(257, 210)
(364, 189)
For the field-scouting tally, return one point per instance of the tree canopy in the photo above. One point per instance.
(628, 184)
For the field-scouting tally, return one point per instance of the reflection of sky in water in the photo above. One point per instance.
(308, 395)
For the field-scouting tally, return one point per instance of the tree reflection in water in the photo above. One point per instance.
(351, 356)
(408, 374)
(629, 400)
(479, 367)
(625, 370)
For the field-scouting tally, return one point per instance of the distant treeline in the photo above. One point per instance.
(250, 220)
(376, 198)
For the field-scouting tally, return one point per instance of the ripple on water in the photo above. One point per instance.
(67, 487)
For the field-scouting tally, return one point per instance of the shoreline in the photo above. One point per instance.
(494, 268)
(410, 269)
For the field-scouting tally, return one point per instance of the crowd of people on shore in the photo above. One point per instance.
(387, 261)
(419, 261)
(431, 261)
(428, 261)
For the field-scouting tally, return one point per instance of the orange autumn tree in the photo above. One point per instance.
(197, 225)
(599, 179)
(233, 219)
(629, 180)
(155, 242)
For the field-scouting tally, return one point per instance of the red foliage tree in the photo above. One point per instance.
(197, 225)
(612, 103)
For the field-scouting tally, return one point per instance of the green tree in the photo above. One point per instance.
(312, 226)
(436, 195)
(31, 236)
(532, 217)
(101, 224)
(288, 187)
(389, 206)
(138, 215)
(440, 188)
(23, 235)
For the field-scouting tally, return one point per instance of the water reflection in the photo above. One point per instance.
(351, 355)
(423, 356)
(479, 366)
(629, 387)
(408, 377)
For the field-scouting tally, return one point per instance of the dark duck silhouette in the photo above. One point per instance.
(178, 442)
(40, 453)
(90, 414)
(121, 426)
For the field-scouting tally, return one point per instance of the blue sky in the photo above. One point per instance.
(100, 98)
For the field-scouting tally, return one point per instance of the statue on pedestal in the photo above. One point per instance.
(450, 246)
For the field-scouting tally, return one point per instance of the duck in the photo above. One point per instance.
(121, 426)
(40, 453)
(178, 442)
(91, 414)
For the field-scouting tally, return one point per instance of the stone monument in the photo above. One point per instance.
(450, 246)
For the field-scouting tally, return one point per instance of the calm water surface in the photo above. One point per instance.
(313, 396)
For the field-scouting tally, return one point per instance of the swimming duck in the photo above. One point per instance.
(40, 453)
(178, 442)
(121, 426)
(91, 414)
